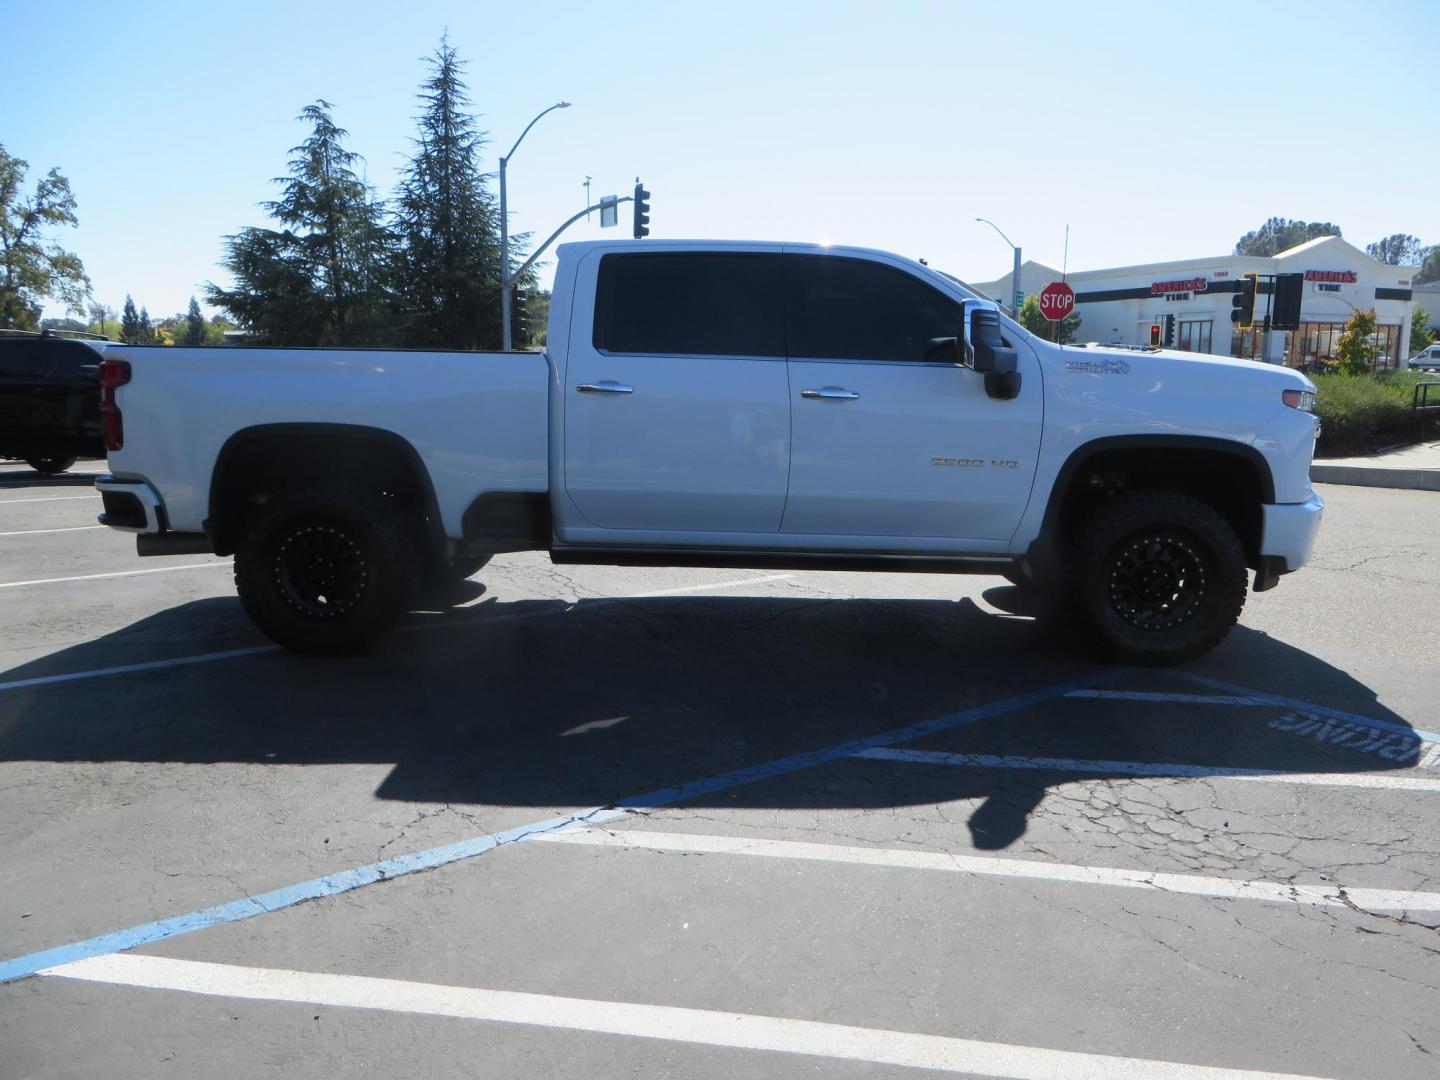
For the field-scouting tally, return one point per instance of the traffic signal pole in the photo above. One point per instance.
(553, 237)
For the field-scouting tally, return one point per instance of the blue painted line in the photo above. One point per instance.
(349, 880)
(1310, 707)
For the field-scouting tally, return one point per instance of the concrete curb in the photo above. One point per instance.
(1366, 476)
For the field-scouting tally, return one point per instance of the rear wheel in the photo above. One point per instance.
(326, 570)
(50, 466)
(1159, 576)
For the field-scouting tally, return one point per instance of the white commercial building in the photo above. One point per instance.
(1119, 306)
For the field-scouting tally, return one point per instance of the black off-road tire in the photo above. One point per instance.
(327, 570)
(50, 466)
(1158, 576)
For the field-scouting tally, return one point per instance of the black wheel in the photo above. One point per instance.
(50, 466)
(1159, 576)
(326, 570)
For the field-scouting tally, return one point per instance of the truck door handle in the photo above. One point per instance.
(609, 386)
(830, 393)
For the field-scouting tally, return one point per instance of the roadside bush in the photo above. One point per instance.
(1360, 414)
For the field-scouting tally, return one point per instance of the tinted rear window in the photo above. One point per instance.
(22, 359)
(706, 303)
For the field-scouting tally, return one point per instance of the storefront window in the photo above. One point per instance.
(1318, 343)
(1194, 336)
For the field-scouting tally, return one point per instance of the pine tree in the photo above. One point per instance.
(146, 329)
(321, 280)
(194, 326)
(448, 222)
(129, 323)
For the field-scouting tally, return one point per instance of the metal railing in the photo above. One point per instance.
(1425, 402)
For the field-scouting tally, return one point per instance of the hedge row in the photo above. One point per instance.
(1363, 413)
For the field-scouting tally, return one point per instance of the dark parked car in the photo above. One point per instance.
(49, 400)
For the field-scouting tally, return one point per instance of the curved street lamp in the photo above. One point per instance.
(1015, 275)
(505, 230)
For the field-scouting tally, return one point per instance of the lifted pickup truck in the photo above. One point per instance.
(726, 404)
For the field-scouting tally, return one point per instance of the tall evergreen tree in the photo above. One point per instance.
(194, 326)
(321, 280)
(146, 329)
(448, 222)
(129, 322)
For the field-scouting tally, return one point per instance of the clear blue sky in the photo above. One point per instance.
(1156, 130)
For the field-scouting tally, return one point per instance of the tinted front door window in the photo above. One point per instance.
(850, 309)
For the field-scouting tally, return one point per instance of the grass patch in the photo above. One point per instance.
(1360, 414)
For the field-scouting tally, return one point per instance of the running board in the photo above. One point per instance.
(783, 560)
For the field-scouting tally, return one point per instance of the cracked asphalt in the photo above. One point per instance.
(886, 848)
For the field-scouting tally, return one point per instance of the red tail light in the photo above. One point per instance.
(113, 373)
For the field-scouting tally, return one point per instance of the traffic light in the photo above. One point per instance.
(1169, 330)
(1154, 335)
(1242, 304)
(642, 211)
(1288, 291)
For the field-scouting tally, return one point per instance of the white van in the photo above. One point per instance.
(1427, 359)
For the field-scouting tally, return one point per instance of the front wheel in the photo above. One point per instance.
(326, 570)
(1159, 576)
(50, 466)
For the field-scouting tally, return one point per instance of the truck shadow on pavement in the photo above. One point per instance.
(558, 704)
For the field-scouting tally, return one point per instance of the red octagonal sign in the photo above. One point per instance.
(1057, 300)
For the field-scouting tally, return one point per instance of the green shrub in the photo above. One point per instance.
(1363, 413)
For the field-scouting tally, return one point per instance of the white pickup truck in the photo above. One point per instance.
(725, 404)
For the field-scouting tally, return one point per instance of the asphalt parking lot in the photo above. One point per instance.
(592, 822)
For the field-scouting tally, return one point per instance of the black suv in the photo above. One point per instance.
(49, 400)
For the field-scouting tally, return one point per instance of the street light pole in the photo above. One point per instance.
(1015, 273)
(505, 277)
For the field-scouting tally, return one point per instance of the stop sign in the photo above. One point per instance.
(1057, 300)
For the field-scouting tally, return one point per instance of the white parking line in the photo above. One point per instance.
(52, 498)
(41, 532)
(702, 1027)
(1380, 781)
(1070, 873)
(116, 574)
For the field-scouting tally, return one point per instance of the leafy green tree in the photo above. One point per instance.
(32, 267)
(1357, 349)
(103, 321)
(1280, 234)
(1429, 266)
(61, 324)
(215, 330)
(321, 279)
(1034, 320)
(447, 222)
(130, 322)
(1398, 249)
(194, 332)
(1421, 335)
